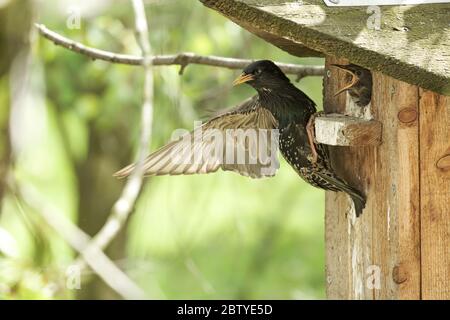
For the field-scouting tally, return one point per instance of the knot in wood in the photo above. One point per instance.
(444, 163)
(399, 274)
(407, 115)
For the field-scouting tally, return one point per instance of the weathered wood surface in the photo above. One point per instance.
(340, 130)
(413, 44)
(348, 240)
(435, 194)
(404, 232)
(396, 213)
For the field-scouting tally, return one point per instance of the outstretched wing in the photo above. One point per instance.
(243, 140)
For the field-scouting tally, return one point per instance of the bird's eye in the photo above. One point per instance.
(257, 71)
(358, 73)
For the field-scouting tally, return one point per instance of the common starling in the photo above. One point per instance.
(359, 83)
(279, 108)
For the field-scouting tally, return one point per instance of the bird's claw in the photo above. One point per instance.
(310, 130)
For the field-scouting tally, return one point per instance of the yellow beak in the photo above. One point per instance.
(243, 78)
(353, 81)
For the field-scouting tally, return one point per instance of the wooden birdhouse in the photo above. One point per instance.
(396, 149)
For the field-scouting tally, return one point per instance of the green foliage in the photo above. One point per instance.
(212, 236)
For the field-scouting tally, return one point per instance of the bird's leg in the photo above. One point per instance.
(310, 130)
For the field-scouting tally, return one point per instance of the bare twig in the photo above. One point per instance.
(124, 205)
(181, 59)
(78, 240)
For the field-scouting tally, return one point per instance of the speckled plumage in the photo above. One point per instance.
(278, 105)
(292, 109)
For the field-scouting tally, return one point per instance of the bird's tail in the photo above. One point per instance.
(359, 200)
(337, 184)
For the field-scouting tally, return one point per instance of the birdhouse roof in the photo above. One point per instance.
(412, 43)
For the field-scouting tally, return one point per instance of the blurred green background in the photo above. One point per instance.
(67, 123)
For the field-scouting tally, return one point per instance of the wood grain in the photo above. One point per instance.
(348, 239)
(346, 32)
(385, 240)
(396, 211)
(339, 130)
(435, 194)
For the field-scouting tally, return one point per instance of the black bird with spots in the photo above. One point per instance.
(279, 106)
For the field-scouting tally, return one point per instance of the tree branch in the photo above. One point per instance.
(124, 205)
(80, 241)
(181, 59)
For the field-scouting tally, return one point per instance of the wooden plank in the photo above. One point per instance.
(396, 210)
(406, 271)
(337, 242)
(377, 255)
(401, 46)
(435, 194)
(339, 130)
(348, 240)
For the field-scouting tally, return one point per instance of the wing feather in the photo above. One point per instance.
(246, 132)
